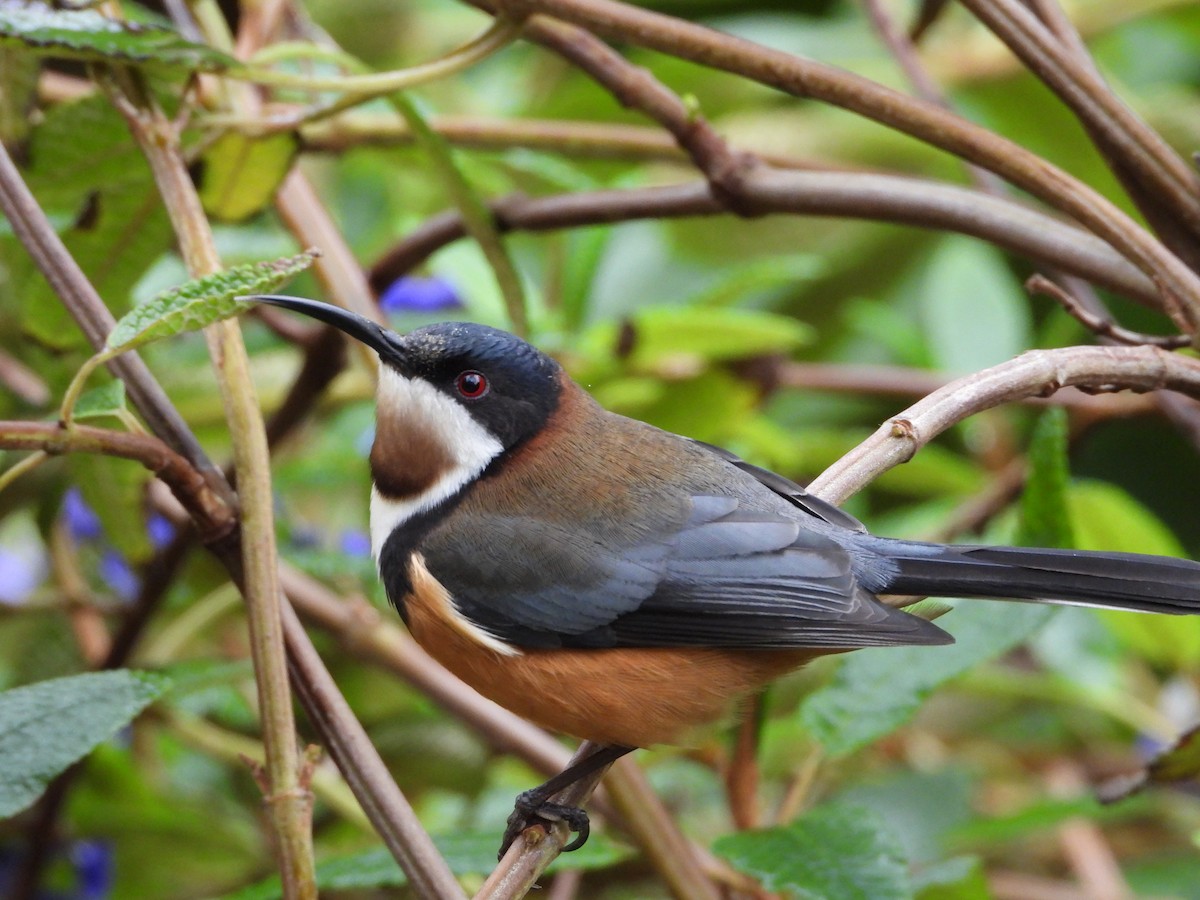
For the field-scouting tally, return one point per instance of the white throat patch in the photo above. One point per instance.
(467, 443)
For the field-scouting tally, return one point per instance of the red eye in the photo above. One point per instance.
(471, 384)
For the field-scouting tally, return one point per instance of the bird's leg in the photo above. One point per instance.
(534, 806)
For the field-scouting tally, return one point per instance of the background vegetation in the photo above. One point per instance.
(708, 243)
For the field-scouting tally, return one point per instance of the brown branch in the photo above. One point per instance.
(1104, 327)
(889, 198)
(1156, 178)
(588, 140)
(923, 120)
(903, 49)
(22, 381)
(1032, 374)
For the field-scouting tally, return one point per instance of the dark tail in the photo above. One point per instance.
(1157, 584)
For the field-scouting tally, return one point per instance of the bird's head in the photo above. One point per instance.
(451, 399)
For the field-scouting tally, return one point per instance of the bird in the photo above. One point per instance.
(615, 582)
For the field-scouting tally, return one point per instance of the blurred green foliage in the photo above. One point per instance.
(938, 772)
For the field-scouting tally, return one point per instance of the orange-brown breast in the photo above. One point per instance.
(406, 459)
(633, 697)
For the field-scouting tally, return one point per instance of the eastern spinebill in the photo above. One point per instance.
(616, 582)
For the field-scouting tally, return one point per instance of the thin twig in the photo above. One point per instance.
(904, 50)
(888, 198)
(1040, 284)
(1032, 374)
(1161, 183)
(926, 121)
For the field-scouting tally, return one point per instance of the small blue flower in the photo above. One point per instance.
(93, 862)
(82, 520)
(160, 529)
(21, 573)
(116, 573)
(356, 543)
(412, 293)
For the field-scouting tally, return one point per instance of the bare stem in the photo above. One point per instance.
(1032, 374)
(889, 198)
(289, 800)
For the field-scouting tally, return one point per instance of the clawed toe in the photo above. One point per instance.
(532, 808)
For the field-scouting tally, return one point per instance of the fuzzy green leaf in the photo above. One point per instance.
(201, 302)
(106, 400)
(47, 726)
(86, 34)
(832, 853)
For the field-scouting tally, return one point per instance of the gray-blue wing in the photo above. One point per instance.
(728, 576)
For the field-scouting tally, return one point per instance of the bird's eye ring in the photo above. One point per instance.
(471, 384)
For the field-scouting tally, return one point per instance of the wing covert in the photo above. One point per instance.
(727, 576)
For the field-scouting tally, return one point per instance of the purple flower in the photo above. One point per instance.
(356, 543)
(116, 573)
(160, 529)
(93, 868)
(82, 520)
(22, 570)
(412, 293)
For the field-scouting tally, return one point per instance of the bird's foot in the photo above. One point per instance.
(533, 807)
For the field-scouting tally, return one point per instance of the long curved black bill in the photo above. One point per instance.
(384, 342)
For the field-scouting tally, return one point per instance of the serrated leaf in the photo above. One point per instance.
(833, 853)
(466, 853)
(201, 302)
(242, 173)
(46, 727)
(86, 34)
(875, 691)
(1045, 517)
(64, 170)
(106, 400)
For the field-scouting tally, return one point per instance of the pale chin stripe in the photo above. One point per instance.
(420, 405)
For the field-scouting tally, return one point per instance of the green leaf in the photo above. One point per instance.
(466, 853)
(1106, 517)
(86, 34)
(18, 85)
(106, 400)
(961, 878)
(1045, 516)
(833, 853)
(975, 313)
(46, 727)
(876, 690)
(241, 173)
(201, 302)
(675, 339)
